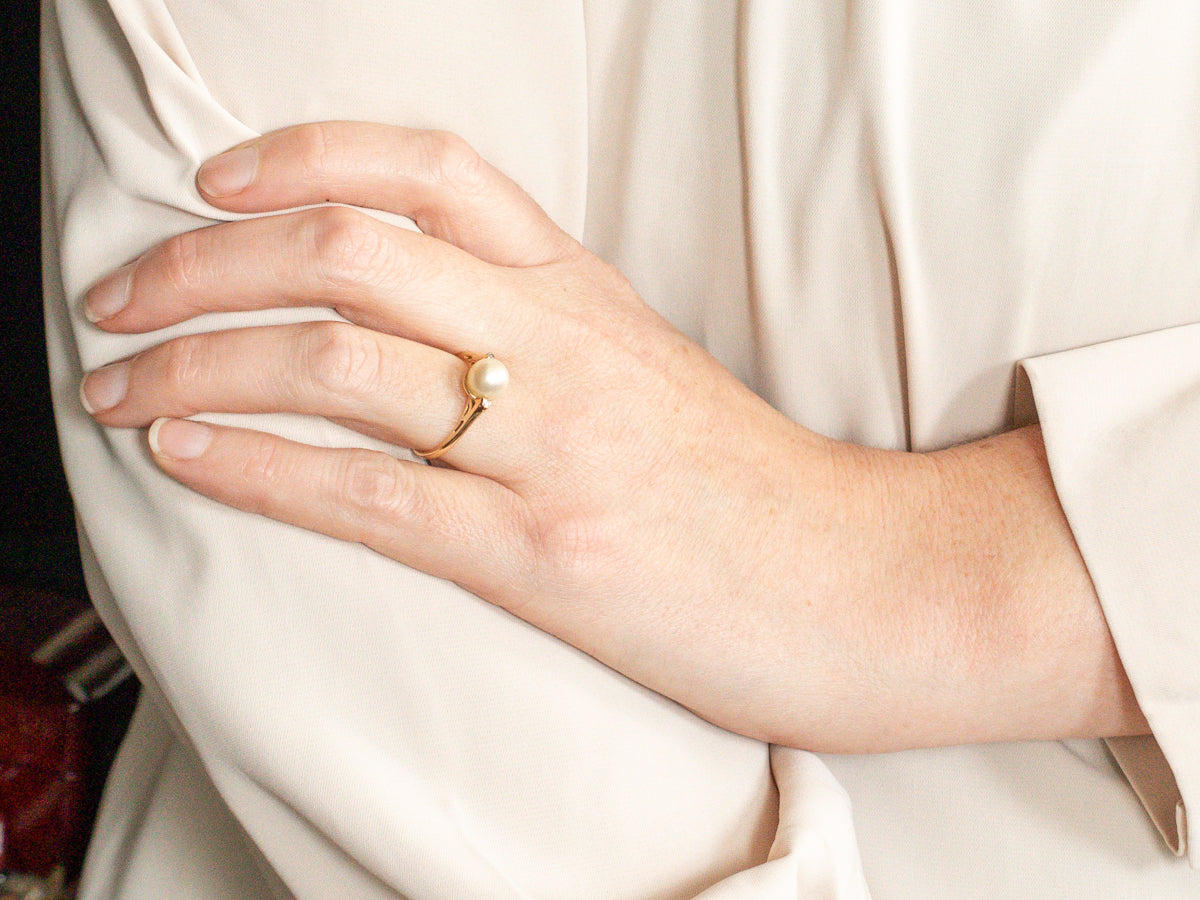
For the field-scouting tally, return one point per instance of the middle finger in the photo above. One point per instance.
(375, 274)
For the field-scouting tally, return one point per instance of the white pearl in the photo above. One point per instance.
(487, 378)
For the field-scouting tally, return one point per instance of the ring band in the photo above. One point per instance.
(485, 378)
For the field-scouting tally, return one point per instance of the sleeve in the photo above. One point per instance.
(1121, 423)
(351, 727)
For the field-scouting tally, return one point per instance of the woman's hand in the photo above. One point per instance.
(625, 493)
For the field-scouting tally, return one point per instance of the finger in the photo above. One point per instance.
(453, 525)
(402, 392)
(433, 177)
(376, 274)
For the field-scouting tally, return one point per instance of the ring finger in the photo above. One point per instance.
(404, 392)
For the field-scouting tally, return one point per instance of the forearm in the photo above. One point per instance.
(1047, 666)
(972, 614)
(780, 584)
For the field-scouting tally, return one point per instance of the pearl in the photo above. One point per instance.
(487, 378)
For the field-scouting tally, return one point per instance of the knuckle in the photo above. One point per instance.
(452, 162)
(609, 280)
(568, 549)
(373, 486)
(341, 358)
(267, 469)
(185, 363)
(265, 464)
(181, 260)
(318, 148)
(348, 247)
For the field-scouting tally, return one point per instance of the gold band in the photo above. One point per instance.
(485, 377)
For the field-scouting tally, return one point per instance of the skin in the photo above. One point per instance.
(626, 493)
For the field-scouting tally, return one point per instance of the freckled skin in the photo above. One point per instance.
(625, 492)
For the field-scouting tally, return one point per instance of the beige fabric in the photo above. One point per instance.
(1149, 773)
(870, 213)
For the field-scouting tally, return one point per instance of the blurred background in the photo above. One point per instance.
(65, 693)
(37, 543)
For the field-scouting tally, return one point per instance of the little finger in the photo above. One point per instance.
(453, 525)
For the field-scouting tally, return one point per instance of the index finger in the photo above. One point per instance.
(434, 178)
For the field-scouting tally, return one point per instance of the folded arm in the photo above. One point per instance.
(627, 493)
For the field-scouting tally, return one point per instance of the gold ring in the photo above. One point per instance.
(485, 379)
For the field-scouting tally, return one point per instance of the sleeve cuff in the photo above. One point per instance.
(1147, 770)
(1121, 424)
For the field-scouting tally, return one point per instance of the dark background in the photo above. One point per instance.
(37, 539)
(41, 582)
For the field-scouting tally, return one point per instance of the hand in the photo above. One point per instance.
(626, 493)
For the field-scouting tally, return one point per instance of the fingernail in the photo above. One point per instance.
(110, 296)
(230, 173)
(179, 438)
(104, 388)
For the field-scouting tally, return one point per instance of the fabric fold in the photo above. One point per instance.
(1121, 422)
(456, 752)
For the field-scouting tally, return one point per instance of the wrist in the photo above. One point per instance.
(970, 613)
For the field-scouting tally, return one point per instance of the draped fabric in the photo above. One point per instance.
(904, 224)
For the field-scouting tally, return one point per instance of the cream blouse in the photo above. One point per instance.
(905, 223)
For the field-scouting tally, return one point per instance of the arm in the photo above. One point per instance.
(369, 730)
(939, 596)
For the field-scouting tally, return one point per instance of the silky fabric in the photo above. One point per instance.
(904, 225)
